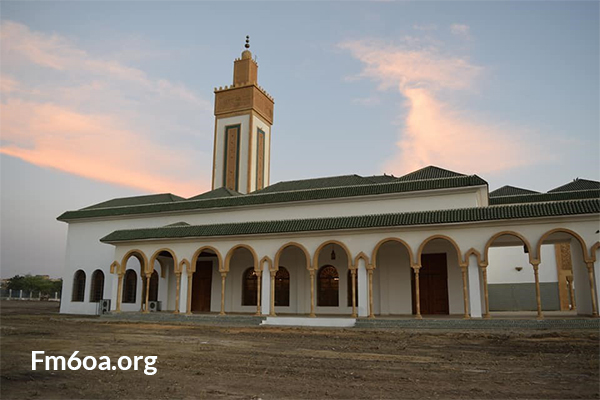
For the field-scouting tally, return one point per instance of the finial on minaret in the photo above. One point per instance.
(247, 45)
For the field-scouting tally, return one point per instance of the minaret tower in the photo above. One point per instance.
(243, 119)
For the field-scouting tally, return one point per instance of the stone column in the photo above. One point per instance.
(265, 297)
(538, 296)
(147, 310)
(223, 276)
(353, 273)
(119, 292)
(258, 282)
(463, 269)
(590, 268)
(417, 293)
(486, 312)
(272, 287)
(177, 291)
(188, 307)
(363, 288)
(475, 300)
(370, 273)
(312, 293)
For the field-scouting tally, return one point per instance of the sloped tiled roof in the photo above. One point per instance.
(216, 193)
(326, 182)
(430, 172)
(539, 197)
(281, 197)
(438, 217)
(510, 191)
(137, 200)
(577, 184)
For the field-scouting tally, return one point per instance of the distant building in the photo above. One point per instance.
(430, 242)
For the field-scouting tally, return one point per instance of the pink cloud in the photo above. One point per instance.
(101, 118)
(433, 131)
(96, 147)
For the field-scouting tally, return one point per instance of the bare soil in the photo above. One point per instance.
(197, 361)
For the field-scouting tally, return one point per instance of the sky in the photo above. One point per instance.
(112, 99)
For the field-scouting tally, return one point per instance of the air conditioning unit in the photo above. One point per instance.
(103, 307)
(154, 306)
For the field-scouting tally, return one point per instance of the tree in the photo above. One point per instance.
(34, 283)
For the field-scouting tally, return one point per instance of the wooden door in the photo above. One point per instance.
(433, 285)
(201, 286)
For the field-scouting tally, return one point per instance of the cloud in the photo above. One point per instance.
(433, 131)
(460, 30)
(96, 116)
(425, 27)
(94, 146)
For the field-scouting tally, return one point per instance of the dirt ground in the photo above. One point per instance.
(256, 362)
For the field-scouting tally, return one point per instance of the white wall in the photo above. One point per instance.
(504, 260)
(222, 123)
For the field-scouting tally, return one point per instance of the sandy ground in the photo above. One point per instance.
(272, 363)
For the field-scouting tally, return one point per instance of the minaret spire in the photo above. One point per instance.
(247, 45)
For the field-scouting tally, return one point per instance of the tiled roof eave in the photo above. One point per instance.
(413, 219)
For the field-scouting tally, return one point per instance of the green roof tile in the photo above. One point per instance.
(280, 197)
(216, 193)
(510, 191)
(541, 197)
(577, 184)
(137, 200)
(439, 217)
(430, 172)
(326, 182)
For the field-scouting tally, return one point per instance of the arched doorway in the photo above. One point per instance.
(97, 290)
(282, 288)
(328, 287)
(392, 290)
(292, 279)
(129, 287)
(78, 293)
(207, 262)
(440, 278)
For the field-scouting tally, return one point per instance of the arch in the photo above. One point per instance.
(586, 258)
(342, 245)
(192, 265)
(360, 256)
(115, 267)
(290, 244)
(282, 287)
(269, 264)
(249, 287)
(240, 246)
(449, 239)
(183, 263)
(97, 289)
(137, 254)
(78, 293)
(129, 286)
(593, 251)
(491, 240)
(391, 239)
(155, 256)
(328, 287)
(473, 252)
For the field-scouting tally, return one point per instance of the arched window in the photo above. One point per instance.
(282, 287)
(129, 286)
(328, 286)
(97, 291)
(249, 287)
(153, 295)
(78, 286)
(350, 289)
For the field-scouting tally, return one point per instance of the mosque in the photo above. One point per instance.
(431, 242)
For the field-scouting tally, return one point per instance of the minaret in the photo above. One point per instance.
(243, 119)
